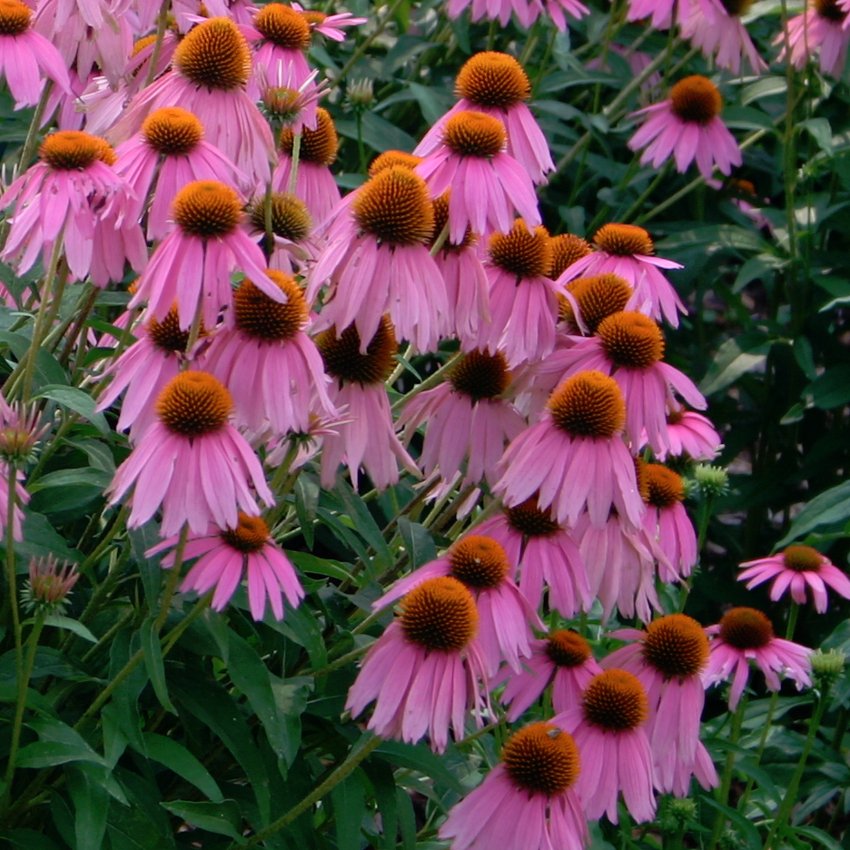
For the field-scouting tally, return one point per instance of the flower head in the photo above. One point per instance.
(49, 585)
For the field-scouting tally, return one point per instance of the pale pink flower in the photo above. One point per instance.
(659, 11)
(225, 555)
(687, 126)
(559, 10)
(293, 248)
(691, 434)
(526, 11)
(241, 11)
(191, 462)
(744, 635)
(822, 30)
(528, 801)
(720, 34)
(425, 670)
(21, 498)
(330, 26)
(798, 569)
(280, 36)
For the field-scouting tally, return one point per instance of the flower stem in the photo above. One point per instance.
(728, 769)
(161, 24)
(296, 156)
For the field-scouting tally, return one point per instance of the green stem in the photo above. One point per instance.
(31, 141)
(728, 770)
(357, 755)
(431, 381)
(296, 157)
(11, 578)
(161, 24)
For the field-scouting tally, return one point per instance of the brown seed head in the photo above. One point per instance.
(659, 485)
(395, 207)
(588, 404)
(344, 361)
(493, 79)
(69, 150)
(624, 240)
(802, 559)
(475, 134)
(597, 297)
(391, 159)
(284, 26)
(567, 648)
(214, 54)
(290, 218)
(207, 208)
(318, 146)
(746, 628)
(172, 131)
(523, 252)
(541, 759)
(479, 562)
(676, 646)
(260, 317)
(566, 250)
(616, 701)
(14, 17)
(480, 375)
(250, 535)
(439, 614)
(529, 520)
(193, 404)
(696, 99)
(631, 339)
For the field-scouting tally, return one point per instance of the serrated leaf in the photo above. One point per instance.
(221, 818)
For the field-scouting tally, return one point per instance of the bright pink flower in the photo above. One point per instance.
(271, 367)
(192, 266)
(280, 36)
(293, 248)
(562, 660)
(526, 11)
(744, 635)
(191, 462)
(330, 26)
(691, 434)
(558, 10)
(720, 34)
(545, 555)
(575, 458)
(660, 12)
(505, 615)
(687, 126)
(610, 730)
(425, 670)
(528, 802)
(21, 498)
(797, 569)
(467, 420)
(496, 84)
(823, 29)
(669, 659)
(27, 57)
(489, 186)
(224, 556)
(241, 11)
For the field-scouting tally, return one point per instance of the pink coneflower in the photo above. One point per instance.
(666, 520)
(208, 77)
(528, 801)
(588, 300)
(523, 298)
(281, 36)
(26, 57)
(715, 27)
(505, 616)
(224, 556)
(669, 658)
(72, 193)
(660, 12)
(168, 153)
(744, 635)
(567, 248)
(191, 461)
(562, 660)
(467, 420)
(286, 106)
(575, 458)
(425, 670)
(545, 555)
(366, 437)
(626, 250)
(314, 182)
(496, 84)
(490, 186)
(330, 26)
(822, 29)
(691, 434)
(797, 569)
(144, 369)
(526, 11)
(241, 11)
(378, 261)
(191, 267)
(288, 221)
(21, 498)
(610, 731)
(687, 126)
(271, 367)
(558, 10)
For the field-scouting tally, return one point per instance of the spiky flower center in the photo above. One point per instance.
(474, 134)
(696, 99)
(589, 404)
(69, 150)
(207, 208)
(480, 375)
(166, 335)
(746, 628)
(193, 404)
(493, 79)
(522, 252)
(392, 158)
(250, 535)
(567, 249)
(623, 240)
(172, 131)
(616, 701)
(260, 317)
(802, 559)
(395, 207)
(597, 298)
(290, 217)
(631, 339)
(214, 54)
(440, 614)
(14, 17)
(831, 10)
(284, 26)
(541, 759)
(313, 17)
(479, 562)
(529, 520)
(567, 648)
(676, 646)
(318, 146)
(344, 361)
(659, 485)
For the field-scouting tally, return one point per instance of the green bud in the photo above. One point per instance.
(361, 94)
(828, 666)
(711, 480)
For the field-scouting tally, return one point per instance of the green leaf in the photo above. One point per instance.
(78, 401)
(746, 829)
(91, 805)
(421, 760)
(418, 541)
(177, 758)
(321, 566)
(763, 87)
(819, 836)
(348, 799)
(735, 358)
(378, 133)
(366, 527)
(306, 493)
(28, 839)
(820, 130)
(155, 665)
(70, 625)
(48, 372)
(827, 508)
(831, 389)
(58, 744)
(221, 818)
(406, 819)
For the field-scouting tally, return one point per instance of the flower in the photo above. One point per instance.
(281, 36)
(824, 28)
(687, 126)
(562, 660)
(716, 28)
(225, 555)
(566, 248)
(290, 225)
(425, 670)
(744, 635)
(49, 585)
(191, 461)
(21, 498)
(330, 26)
(528, 801)
(589, 300)
(796, 569)
(689, 433)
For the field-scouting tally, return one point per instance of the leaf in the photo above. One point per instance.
(818, 835)
(378, 133)
(155, 665)
(827, 508)
(177, 758)
(746, 828)
(763, 87)
(308, 563)
(348, 799)
(831, 389)
(306, 492)
(418, 541)
(91, 805)
(421, 760)
(221, 818)
(70, 625)
(48, 372)
(78, 401)
(366, 527)
(58, 744)
(735, 358)
(820, 130)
